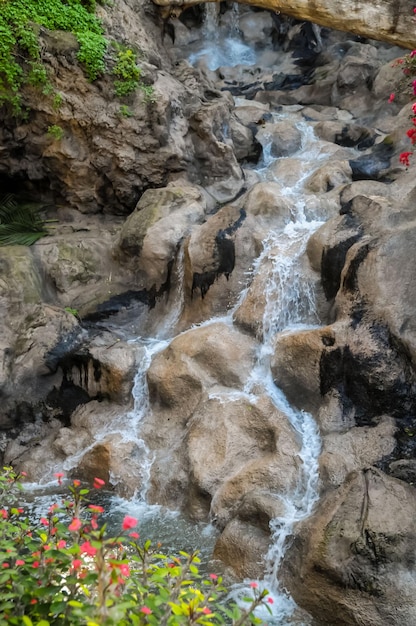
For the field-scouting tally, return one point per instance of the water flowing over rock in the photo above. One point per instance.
(222, 320)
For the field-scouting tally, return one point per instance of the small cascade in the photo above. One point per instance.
(222, 44)
(210, 28)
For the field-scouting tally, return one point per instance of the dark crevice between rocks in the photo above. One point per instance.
(332, 263)
(349, 282)
(224, 251)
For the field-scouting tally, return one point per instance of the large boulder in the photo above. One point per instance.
(353, 561)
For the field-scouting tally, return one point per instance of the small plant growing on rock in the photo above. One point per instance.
(19, 224)
(67, 570)
(56, 132)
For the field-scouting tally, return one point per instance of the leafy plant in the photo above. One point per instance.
(56, 132)
(20, 53)
(125, 111)
(128, 72)
(19, 224)
(66, 571)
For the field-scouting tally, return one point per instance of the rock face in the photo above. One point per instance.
(353, 562)
(387, 21)
(213, 241)
(106, 159)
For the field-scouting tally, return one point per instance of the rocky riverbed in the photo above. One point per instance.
(130, 334)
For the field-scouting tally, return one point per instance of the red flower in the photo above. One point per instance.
(414, 107)
(129, 522)
(61, 544)
(76, 483)
(75, 524)
(3, 513)
(411, 133)
(206, 611)
(76, 563)
(35, 564)
(134, 535)
(254, 585)
(19, 562)
(391, 98)
(33, 601)
(44, 521)
(5, 565)
(98, 483)
(96, 508)
(270, 600)
(404, 158)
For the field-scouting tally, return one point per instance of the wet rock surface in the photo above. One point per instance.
(163, 222)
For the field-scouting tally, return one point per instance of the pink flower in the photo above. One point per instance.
(3, 513)
(145, 610)
(19, 562)
(35, 564)
(76, 483)
(59, 476)
(391, 97)
(94, 524)
(75, 524)
(44, 521)
(414, 107)
(129, 522)
(87, 548)
(5, 565)
(213, 577)
(61, 544)
(414, 87)
(134, 535)
(124, 569)
(24, 474)
(270, 600)
(98, 483)
(254, 585)
(76, 563)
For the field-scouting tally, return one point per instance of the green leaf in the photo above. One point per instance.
(27, 621)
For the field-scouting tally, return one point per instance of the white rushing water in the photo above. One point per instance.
(290, 306)
(222, 45)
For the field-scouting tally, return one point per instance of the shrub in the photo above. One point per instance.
(67, 570)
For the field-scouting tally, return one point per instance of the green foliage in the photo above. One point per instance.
(56, 132)
(124, 111)
(19, 44)
(20, 53)
(127, 71)
(19, 224)
(72, 311)
(66, 571)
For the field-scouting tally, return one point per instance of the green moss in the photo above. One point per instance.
(20, 53)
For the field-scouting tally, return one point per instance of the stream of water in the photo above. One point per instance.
(290, 306)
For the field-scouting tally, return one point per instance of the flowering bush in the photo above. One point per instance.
(66, 570)
(408, 84)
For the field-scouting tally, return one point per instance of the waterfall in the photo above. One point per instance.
(221, 44)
